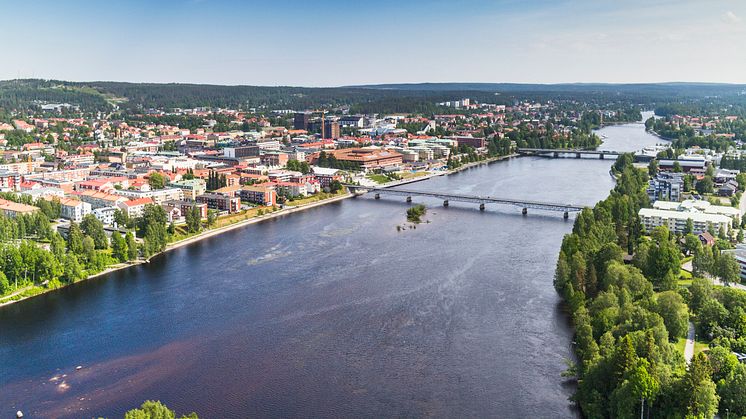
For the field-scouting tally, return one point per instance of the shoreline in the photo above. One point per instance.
(243, 223)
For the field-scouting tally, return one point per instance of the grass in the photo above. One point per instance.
(413, 175)
(378, 178)
(699, 345)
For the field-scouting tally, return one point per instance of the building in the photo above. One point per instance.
(135, 207)
(666, 186)
(301, 120)
(476, 142)
(241, 152)
(100, 199)
(105, 215)
(364, 158)
(262, 194)
(74, 209)
(157, 195)
(326, 175)
(185, 206)
(9, 181)
(691, 205)
(220, 202)
(191, 187)
(13, 209)
(687, 165)
(276, 158)
(291, 188)
(675, 221)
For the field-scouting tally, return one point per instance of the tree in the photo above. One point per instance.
(94, 229)
(155, 410)
(731, 391)
(703, 261)
(653, 168)
(157, 180)
(193, 219)
(701, 399)
(689, 227)
(727, 268)
(75, 239)
(670, 305)
(72, 271)
(212, 217)
(705, 185)
(121, 219)
(119, 247)
(131, 246)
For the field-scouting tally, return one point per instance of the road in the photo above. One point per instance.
(689, 348)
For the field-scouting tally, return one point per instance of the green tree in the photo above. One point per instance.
(72, 270)
(212, 217)
(727, 268)
(671, 307)
(701, 399)
(731, 390)
(94, 228)
(155, 410)
(119, 248)
(75, 239)
(131, 246)
(157, 180)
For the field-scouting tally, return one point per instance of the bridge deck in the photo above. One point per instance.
(549, 206)
(568, 151)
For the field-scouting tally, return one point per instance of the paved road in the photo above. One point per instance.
(689, 348)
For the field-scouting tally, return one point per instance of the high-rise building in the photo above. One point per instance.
(301, 119)
(331, 130)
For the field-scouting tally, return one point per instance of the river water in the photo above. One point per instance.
(330, 312)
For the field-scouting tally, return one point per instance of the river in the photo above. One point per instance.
(330, 312)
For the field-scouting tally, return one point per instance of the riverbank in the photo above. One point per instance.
(36, 290)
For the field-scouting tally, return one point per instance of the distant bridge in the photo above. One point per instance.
(562, 152)
(481, 200)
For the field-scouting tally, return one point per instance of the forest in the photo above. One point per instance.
(628, 317)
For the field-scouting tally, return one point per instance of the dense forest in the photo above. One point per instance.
(626, 316)
(419, 98)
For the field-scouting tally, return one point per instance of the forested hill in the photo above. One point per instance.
(20, 93)
(400, 98)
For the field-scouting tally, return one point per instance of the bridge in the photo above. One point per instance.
(562, 152)
(481, 200)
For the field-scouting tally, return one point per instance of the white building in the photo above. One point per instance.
(691, 205)
(675, 221)
(74, 209)
(105, 215)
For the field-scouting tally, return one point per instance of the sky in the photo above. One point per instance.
(346, 42)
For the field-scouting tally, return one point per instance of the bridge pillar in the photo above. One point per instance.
(601, 156)
(525, 211)
(577, 155)
(566, 215)
(445, 203)
(556, 154)
(409, 199)
(378, 196)
(481, 206)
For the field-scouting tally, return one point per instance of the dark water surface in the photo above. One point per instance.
(326, 313)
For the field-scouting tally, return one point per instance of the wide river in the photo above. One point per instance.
(330, 312)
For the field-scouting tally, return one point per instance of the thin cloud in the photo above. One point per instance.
(730, 17)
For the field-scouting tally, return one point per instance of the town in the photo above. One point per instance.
(140, 181)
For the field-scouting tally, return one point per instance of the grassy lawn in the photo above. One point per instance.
(410, 175)
(377, 178)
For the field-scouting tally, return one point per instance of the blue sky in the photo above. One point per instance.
(336, 42)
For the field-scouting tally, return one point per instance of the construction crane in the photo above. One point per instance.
(323, 121)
